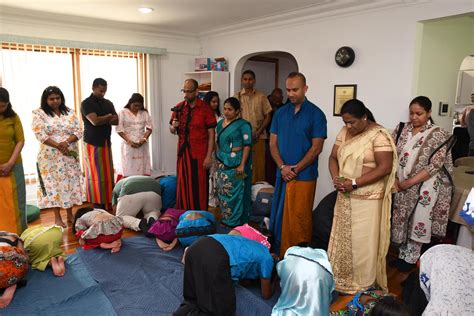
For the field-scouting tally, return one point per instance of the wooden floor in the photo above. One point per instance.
(70, 244)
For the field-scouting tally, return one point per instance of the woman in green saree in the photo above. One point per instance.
(234, 171)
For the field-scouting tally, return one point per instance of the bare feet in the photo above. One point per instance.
(57, 263)
(7, 296)
(113, 246)
(62, 266)
(57, 217)
(70, 217)
(161, 244)
(58, 221)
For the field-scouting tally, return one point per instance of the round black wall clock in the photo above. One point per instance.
(344, 56)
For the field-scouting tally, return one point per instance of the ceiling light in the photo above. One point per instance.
(145, 10)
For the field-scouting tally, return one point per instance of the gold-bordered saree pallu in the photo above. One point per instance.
(360, 234)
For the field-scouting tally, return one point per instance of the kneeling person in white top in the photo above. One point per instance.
(134, 194)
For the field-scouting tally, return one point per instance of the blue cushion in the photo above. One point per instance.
(168, 191)
(189, 230)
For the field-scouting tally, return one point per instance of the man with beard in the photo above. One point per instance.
(194, 122)
(297, 136)
(98, 115)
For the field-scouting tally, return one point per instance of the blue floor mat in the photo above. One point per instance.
(142, 279)
(76, 293)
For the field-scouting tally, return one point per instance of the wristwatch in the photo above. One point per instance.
(282, 166)
(354, 184)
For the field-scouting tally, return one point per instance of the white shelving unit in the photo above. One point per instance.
(219, 81)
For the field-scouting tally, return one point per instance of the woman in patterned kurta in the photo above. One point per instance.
(424, 184)
(234, 167)
(135, 127)
(59, 174)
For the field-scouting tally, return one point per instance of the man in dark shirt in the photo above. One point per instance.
(98, 115)
(194, 122)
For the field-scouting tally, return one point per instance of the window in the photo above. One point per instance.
(26, 70)
(25, 74)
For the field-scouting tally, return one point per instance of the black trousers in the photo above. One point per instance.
(207, 286)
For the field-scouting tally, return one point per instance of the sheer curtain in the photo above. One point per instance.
(156, 112)
(26, 70)
(25, 74)
(121, 74)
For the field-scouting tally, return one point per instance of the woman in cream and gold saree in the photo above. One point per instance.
(362, 165)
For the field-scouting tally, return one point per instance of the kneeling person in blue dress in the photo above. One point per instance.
(214, 263)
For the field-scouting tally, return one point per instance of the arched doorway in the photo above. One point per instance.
(271, 69)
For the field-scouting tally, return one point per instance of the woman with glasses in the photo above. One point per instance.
(135, 128)
(59, 174)
(12, 178)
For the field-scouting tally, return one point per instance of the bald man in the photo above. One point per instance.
(194, 122)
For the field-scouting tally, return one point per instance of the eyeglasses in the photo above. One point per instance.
(187, 91)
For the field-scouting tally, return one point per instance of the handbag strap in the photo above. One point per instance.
(401, 125)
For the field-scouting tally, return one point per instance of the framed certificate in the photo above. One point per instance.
(343, 93)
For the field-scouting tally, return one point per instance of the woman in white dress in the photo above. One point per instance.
(59, 174)
(135, 128)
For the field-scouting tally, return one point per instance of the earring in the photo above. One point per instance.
(365, 119)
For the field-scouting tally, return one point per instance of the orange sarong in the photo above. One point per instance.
(297, 222)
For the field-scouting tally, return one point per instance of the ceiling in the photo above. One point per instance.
(184, 15)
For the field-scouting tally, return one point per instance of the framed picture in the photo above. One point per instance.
(443, 109)
(342, 93)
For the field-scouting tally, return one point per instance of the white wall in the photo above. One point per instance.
(445, 44)
(384, 42)
(173, 67)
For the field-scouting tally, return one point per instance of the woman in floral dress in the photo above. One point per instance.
(135, 127)
(424, 185)
(59, 174)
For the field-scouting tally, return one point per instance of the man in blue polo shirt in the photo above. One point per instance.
(297, 136)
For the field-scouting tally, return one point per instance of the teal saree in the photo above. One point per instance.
(233, 190)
